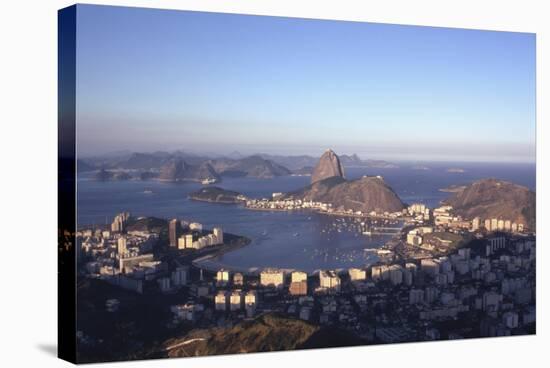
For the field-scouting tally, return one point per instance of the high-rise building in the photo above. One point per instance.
(222, 277)
(416, 296)
(491, 301)
(119, 222)
(121, 246)
(494, 244)
(429, 266)
(298, 276)
(164, 284)
(188, 240)
(180, 276)
(510, 319)
(174, 231)
(407, 277)
(250, 303)
(381, 272)
(185, 241)
(329, 280)
(464, 253)
(235, 300)
(298, 288)
(417, 208)
(508, 225)
(475, 223)
(411, 267)
(250, 299)
(430, 294)
(221, 301)
(218, 234)
(181, 242)
(396, 274)
(357, 274)
(272, 277)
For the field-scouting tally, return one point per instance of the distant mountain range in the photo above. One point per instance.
(179, 170)
(252, 166)
(299, 163)
(180, 165)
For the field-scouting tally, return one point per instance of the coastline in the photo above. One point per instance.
(215, 200)
(336, 214)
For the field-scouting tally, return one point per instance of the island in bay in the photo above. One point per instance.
(217, 195)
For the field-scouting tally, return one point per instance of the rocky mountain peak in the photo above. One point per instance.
(329, 165)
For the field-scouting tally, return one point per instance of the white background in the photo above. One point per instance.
(28, 121)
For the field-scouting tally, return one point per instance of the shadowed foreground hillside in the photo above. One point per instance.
(265, 333)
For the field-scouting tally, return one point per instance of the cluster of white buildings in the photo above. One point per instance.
(286, 204)
(299, 204)
(119, 222)
(419, 211)
(443, 217)
(236, 300)
(415, 236)
(189, 241)
(124, 257)
(427, 290)
(495, 224)
(394, 273)
(495, 293)
(272, 277)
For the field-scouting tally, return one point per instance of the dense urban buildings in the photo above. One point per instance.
(442, 274)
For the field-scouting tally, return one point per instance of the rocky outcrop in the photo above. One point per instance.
(493, 198)
(329, 165)
(366, 194)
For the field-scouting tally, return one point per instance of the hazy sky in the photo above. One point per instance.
(164, 80)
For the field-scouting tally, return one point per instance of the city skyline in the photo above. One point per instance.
(156, 80)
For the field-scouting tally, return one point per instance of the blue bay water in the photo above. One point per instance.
(294, 240)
